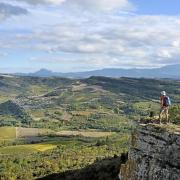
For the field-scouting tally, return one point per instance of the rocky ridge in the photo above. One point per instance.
(154, 154)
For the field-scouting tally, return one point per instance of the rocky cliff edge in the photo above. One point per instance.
(154, 154)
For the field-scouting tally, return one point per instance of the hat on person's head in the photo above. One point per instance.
(163, 93)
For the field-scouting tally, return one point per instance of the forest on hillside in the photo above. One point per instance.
(51, 125)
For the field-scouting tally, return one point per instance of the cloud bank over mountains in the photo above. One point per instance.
(67, 35)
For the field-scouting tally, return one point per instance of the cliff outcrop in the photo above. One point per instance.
(154, 154)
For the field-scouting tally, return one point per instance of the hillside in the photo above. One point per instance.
(57, 125)
(78, 104)
(12, 108)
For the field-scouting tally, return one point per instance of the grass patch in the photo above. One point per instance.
(170, 127)
(26, 149)
(146, 105)
(43, 147)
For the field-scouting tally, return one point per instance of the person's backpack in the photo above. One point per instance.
(166, 101)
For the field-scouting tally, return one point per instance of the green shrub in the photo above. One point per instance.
(175, 114)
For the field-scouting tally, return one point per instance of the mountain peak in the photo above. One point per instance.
(43, 73)
(43, 70)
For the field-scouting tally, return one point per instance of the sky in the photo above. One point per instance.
(83, 35)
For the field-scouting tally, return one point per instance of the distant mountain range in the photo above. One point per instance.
(170, 71)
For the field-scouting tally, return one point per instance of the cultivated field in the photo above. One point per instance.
(84, 133)
(32, 132)
(28, 148)
(7, 132)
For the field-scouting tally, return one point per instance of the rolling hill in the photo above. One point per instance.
(80, 104)
(83, 121)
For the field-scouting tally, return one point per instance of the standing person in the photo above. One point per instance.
(165, 103)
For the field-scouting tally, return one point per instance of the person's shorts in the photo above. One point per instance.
(164, 110)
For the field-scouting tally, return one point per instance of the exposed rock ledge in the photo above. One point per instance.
(154, 154)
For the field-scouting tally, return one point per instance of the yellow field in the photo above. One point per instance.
(7, 132)
(29, 148)
(82, 113)
(42, 147)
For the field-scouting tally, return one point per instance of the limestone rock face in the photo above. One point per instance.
(154, 154)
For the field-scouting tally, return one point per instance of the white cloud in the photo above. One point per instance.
(102, 5)
(164, 53)
(125, 42)
(47, 2)
(92, 40)
(176, 43)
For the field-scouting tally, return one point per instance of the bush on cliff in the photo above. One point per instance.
(175, 114)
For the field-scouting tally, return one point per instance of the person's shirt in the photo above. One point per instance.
(163, 104)
(162, 100)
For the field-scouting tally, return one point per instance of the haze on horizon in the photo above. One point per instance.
(83, 35)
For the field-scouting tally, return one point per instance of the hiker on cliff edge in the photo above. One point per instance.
(165, 103)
